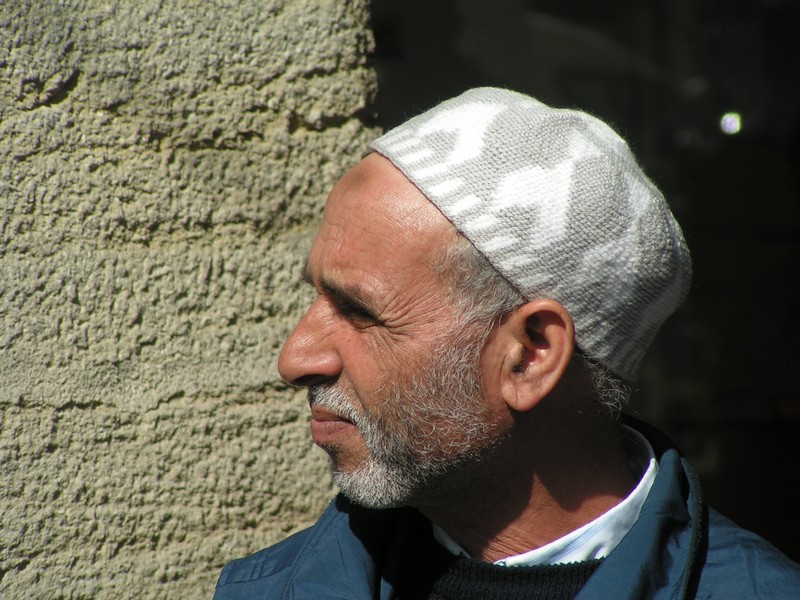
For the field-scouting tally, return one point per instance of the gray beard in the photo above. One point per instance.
(419, 435)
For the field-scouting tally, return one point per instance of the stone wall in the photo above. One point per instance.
(162, 167)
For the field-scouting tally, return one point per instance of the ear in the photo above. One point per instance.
(537, 340)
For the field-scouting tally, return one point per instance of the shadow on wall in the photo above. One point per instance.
(697, 93)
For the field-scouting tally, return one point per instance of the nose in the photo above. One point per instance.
(309, 355)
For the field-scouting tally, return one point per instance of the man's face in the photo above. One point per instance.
(394, 380)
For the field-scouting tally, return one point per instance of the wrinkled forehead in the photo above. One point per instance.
(375, 198)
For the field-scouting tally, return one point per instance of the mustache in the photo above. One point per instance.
(334, 400)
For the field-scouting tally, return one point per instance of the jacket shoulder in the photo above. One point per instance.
(741, 564)
(268, 562)
(263, 573)
(337, 559)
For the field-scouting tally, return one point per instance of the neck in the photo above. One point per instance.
(546, 480)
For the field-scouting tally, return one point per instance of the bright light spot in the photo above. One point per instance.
(731, 123)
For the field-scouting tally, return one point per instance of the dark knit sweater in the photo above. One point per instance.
(430, 572)
(466, 579)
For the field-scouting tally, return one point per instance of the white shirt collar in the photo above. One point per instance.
(597, 538)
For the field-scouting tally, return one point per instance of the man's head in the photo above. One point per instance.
(391, 366)
(456, 268)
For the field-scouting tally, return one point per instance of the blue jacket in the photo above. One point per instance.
(678, 548)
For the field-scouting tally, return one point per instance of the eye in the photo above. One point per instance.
(356, 314)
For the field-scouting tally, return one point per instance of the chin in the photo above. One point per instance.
(373, 486)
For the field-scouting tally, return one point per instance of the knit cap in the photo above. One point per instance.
(557, 203)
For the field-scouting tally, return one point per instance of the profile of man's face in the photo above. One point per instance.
(394, 381)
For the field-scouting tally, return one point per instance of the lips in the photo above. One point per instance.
(326, 426)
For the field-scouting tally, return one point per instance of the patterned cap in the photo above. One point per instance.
(557, 203)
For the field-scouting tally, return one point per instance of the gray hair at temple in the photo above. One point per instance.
(558, 205)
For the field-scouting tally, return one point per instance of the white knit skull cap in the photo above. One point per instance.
(557, 203)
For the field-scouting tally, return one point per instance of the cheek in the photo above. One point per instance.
(374, 362)
(367, 372)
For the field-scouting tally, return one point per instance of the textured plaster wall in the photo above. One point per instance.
(162, 166)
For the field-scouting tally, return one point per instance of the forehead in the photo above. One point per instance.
(378, 224)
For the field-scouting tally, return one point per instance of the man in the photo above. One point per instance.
(487, 280)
